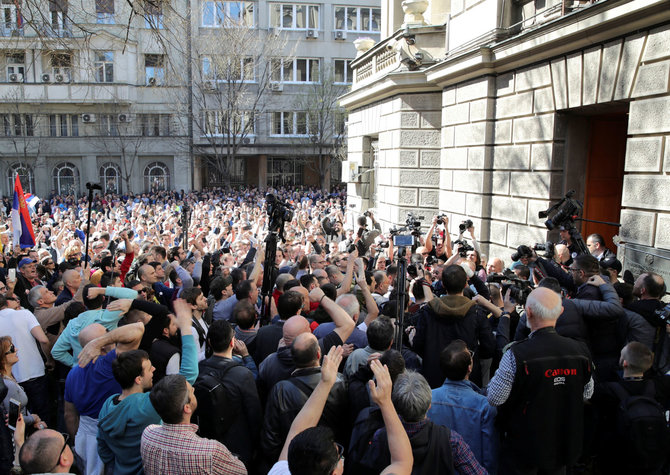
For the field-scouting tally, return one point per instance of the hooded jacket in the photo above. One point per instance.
(120, 427)
(446, 319)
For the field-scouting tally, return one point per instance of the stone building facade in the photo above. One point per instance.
(500, 110)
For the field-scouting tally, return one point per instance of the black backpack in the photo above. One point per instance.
(215, 413)
(642, 427)
(361, 458)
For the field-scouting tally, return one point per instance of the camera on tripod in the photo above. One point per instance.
(278, 214)
(412, 228)
(519, 289)
(566, 211)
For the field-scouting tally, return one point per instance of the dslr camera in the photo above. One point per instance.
(465, 225)
(463, 247)
(521, 252)
(441, 218)
(519, 289)
(547, 247)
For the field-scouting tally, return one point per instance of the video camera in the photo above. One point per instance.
(547, 247)
(278, 214)
(519, 289)
(566, 211)
(521, 252)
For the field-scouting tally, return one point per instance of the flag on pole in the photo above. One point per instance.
(23, 228)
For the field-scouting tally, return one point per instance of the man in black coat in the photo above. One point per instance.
(449, 318)
(649, 288)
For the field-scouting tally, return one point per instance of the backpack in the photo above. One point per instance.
(642, 427)
(216, 413)
(361, 457)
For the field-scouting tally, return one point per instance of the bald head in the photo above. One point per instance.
(293, 327)
(320, 273)
(305, 351)
(69, 276)
(147, 274)
(90, 333)
(543, 307)
(41, 453)
(496, 266)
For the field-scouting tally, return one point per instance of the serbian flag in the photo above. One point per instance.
(23, 228)
(32, 201)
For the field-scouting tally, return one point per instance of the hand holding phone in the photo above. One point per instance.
(14, 411)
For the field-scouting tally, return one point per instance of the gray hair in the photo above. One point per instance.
(349, 303)
(34, 295)
(539, 310)
(411, 396)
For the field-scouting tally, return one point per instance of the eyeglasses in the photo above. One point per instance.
(340, 455)
(572, 269)
(12, 349)
(66, 437)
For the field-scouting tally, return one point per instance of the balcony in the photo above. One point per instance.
(11, 30)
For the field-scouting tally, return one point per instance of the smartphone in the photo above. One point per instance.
(14, 410)
(12, 274)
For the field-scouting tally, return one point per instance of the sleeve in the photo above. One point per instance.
(500, 386)
(197, 270)
(226, 463)
(125, 265)
(328, 341)
(62, 347)
(419, 342)
(186, 279)
(48, 316)
(252, 404)
(189, 358)
(465, 462)
(553, 270)
(105, 453)
(250, 364)
(173, 364)
(487, 342)
(609, 308)
(480, 287)
(121, 293)
(271, 438)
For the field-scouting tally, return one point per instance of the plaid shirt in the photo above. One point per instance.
(176, 449)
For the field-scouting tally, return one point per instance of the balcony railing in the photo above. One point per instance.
(56, 31)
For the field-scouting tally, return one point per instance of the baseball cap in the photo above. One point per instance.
(24, 261)
(611, 263)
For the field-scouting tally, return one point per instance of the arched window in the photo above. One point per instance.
(25, 175)
(156, 177)
(66, 179)
(110, 178)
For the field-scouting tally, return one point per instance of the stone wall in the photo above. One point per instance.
(406, 129)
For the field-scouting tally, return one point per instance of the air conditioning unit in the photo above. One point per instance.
(123, 118)
(15, 77)
(46, 78)
(276, 87)
(59, 78)
(88, 118)
(152, 81)
(210, 85)
(249, 140)
(312, 34)
(340, 35)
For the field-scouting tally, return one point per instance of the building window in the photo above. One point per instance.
(153, 14)
(221, 68)
(108, 124)
(154, 69)
(104, 66)
(284, 172)
(110, 177)
(291, 123)
(294, 17)
(343, 71)
(60, 26)
(227, 14)
(104, 10)
(18, 125)
(25, 175)
(16, 67)
(155, 125)
(297, 70)
(156, 177)
(11, 22)
(222, 123)
(61, 67)
(358, 19)
(63, 125)
(66, 179)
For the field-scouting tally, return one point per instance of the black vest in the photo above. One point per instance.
(543, 418)
(161, 352)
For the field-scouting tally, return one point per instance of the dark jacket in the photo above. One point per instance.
(543, 418)
(286, 400)
(267, 340)
(276, 367)
(243, 435)
(446, 319)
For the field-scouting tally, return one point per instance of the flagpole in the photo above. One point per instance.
(90, 187)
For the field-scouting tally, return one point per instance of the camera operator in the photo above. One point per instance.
(566, 240)
(439, 251)
(333, 226)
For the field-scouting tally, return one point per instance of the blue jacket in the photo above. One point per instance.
(459, 406)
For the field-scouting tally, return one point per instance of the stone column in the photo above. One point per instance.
(262, 172)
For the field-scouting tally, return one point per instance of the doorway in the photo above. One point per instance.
(595, 153)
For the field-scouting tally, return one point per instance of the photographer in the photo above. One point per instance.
(439, 251)
(333, 226)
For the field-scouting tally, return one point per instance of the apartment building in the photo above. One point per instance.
(95, 92)
(493, 110)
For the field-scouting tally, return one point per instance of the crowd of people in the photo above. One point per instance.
(165, 350)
